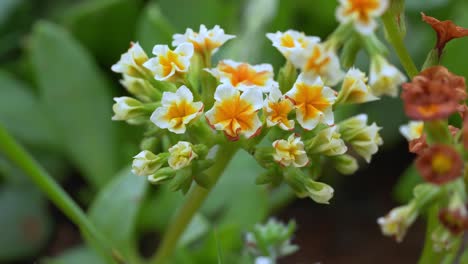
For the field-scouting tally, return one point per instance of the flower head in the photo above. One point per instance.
(445, 30)
(384, 78)
(313, 101)
(354, 89)
(236, 113)
(177, 110)
(131, 62)
(434, 94)
(169, 62)
(244, 76)
(277, 108)
(362, 13)
(290, 152)
(181, 154)
(318, 61)
(397, 221)
(439, 164)
(147, 163)
(291, 41)
(205, 40)
(412, 130)
(364, 139)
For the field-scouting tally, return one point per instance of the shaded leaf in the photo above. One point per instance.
(403, 190)
(153, 28)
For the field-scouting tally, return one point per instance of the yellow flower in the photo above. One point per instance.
(355, 89)
(167, 63)
(181, 154)
(291, 41)
(384, 77)
(290, 152)
(413, 130)
(131, 62)
(204, 41)
(318, 61)
(236, 114)
(244, 76)
(276, 109)
(362, 13)
(177, 110)
(313, 101)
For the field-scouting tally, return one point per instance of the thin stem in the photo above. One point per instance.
(193, 202)
(18, 155)
(395, 38)
(429, 255)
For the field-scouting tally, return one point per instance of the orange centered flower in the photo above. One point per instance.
(317, 62)
(363, 8)
(362, 13)
(169, 60)
(439, 164)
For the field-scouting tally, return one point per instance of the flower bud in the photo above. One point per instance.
(397, 222)
(162, 175)
(129, 109)
(384, 78)
(181, 154)
(140, 88)
(345, 164)
(147, 163)
(354, 89)
(131, 62)
(327, 142)
(271, 176)
(364, 139)
(304, 186)
(442, 239)
(413, 130)
(182, 181)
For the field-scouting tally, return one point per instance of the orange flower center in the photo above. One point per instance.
(317, 62)
(177, 112)
(428, 110)
(309, 100)
(362, 8)
(235, 115)
(244, 74)
(280, 111)
(170, 60)
(441, 164)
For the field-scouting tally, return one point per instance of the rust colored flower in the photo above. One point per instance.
(418, 145)
(434, 94)
(439, 164)
(455, 220)
(446, 31)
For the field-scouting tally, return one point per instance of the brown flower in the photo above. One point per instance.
(446, 31)
(455, 220)
(418, 145)
(439, 164)
(433, 94)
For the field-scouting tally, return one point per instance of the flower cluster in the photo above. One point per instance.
(194, 111)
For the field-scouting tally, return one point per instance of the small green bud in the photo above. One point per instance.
(149, 143)
(304, 186)
(345, 164)
(272, 176)
(182, 181)
(264, 156)
(201, 150)
(140, 88)
(147, 163)
(131, 110)
(162, 175)
(327, 142)
(286, 77)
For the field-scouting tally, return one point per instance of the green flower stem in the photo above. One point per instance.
(428, 255)
(396, 40)
(18, 155)
(193, 202)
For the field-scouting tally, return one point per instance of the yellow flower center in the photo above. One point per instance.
(419, 129)
(362, 8)
(170, 60)
(441, 164)
(235, 115)
(244, 74)
(309, 100)
(317, 62)
(287, 41)
(280, 111)
(179, 111)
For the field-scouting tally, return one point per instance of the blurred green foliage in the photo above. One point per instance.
(56, 92)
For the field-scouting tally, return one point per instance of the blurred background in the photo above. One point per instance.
(56, 91)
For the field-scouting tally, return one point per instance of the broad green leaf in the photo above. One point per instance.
(26, 225)
(116, 207)
(77, 255)
(105, 27)
(197, 227)
(153, 28)
(77, 99)
(23, 115)
(403, 190)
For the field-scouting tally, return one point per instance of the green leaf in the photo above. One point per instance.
(116, 207)
(23, 115)
(153, 28)
(403, 190)
(77, 255)
(197, 228)
(26, 225)
(77, 99)
(105, 27)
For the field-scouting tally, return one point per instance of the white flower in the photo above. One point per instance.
(362, 13)
(318, 61)
(206, 40)
(355, 89)
(313, 101)
(413, 130)
(291, 41)
(147, 163)
(384, 77)
(131, 62)
(396, 223)
(126, 108)
(290, 152)
(276, 109)
(244, 76)
(236, 113)
(181, 154)
(177, 110)
(167, 62)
